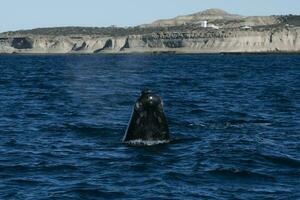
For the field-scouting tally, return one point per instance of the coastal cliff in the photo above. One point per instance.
(179, 35)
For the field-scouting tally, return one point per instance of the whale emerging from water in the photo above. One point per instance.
(148, 124)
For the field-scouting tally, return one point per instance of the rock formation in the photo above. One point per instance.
(181, 34)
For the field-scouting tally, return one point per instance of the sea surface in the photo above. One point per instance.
(234, 122)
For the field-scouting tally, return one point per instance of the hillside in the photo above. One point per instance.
(213, 31)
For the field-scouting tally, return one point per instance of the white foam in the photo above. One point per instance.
(146, 142)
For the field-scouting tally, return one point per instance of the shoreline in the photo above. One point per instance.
(157, 53)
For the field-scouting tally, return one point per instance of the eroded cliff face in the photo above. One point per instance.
(214, 41)
(284, 40)
(67, 44)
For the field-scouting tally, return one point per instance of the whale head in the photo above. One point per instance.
(148, 123)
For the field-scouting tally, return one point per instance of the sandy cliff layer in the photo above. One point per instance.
(214, 41)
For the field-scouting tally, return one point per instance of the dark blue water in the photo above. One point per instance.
(235, 121)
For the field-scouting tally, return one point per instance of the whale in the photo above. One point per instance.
(148, 123)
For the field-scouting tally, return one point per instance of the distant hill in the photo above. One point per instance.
(209, 15)
(223, 19)
(216, 17)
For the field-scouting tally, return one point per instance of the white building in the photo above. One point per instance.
(246, 27)
(203, 24)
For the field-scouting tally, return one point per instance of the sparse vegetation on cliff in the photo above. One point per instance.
(101, 31)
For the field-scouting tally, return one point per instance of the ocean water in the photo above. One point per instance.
(234, 121)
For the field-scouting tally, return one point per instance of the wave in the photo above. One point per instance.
(184, 140)
(237, 173)
(282, 160)
(91, 129)
(230, 123)
(88, 191)
(25, 181)
(57, 167)
(197, 111)
(146, 142)
(15, 168)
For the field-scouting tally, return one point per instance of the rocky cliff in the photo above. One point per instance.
(285, 40)
(267, 34)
